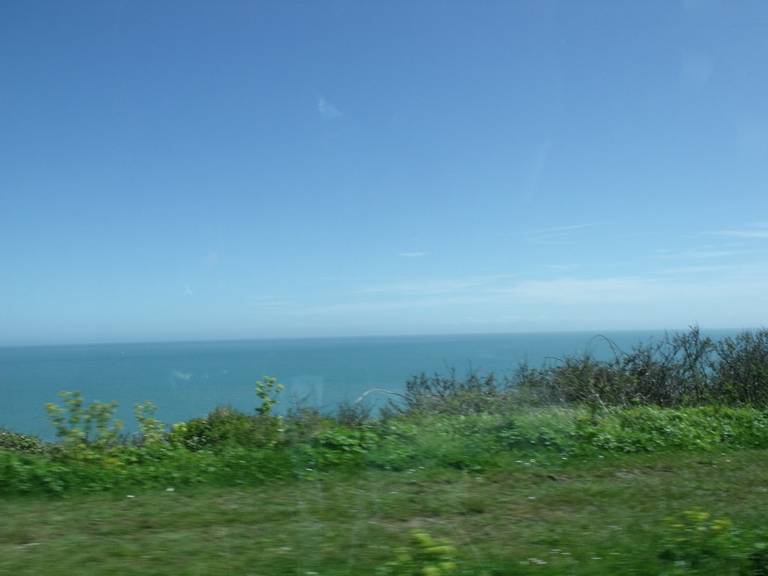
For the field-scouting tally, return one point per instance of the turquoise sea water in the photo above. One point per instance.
(189, 379)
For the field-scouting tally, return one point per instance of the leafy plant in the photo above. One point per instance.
(151, 429)
(267, 390)
(227, 426)
(424, 556)
(353, 413)
(741, 371)
(697, 543)
(451, 394)
(18, 442)
(341, 445)
(79, 424)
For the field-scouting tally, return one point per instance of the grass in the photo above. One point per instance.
(598, 516)
(237, 449)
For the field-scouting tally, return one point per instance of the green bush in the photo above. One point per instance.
(423, 556)
(741, 374)
(353, 414)
(131, 467)
(534, 430)
(696, 543)
(650, 429)
(450, 394)
(227, 426)
(230, 446)
(17, 442)
(681, 369)
(267, 390)
(151, 430)
(77, 423)
(342, 446)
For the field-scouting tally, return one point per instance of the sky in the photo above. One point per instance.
(183, 170)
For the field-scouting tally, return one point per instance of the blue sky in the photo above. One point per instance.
(193, 170)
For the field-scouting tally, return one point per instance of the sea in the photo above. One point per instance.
(189, 379)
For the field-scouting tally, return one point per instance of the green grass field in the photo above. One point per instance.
(603, 516)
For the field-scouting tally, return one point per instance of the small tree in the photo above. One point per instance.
(267, 390)
(151, 429)
(78, 424)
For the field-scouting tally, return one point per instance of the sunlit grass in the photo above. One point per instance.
(605, 516)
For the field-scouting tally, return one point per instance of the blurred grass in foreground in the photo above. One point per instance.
(604, 516)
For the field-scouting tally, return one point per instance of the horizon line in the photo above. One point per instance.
(376, 336)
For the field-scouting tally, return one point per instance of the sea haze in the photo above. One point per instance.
(189, 379)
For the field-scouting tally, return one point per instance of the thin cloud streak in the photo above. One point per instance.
(561, 267)
(327, 110)
(699, 269)
(757, 231)
(557, 234)
(699, 254)
(568, 295)
(438, 287)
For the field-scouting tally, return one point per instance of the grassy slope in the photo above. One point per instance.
(598, 517)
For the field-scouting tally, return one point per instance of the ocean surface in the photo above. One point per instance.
(189, 379)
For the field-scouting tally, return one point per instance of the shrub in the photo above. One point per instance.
(681, 369)
(267, 390)
(535, 430)
(78, 424)
(227, 426)
(671, 372)
(463, 442)
(17, 442)
(423, 556)
(696, 543)
(341, 445)
(151, 430)
(302, 423)
(353, 414)
(741, 370)
(450, 394)
(650, 429)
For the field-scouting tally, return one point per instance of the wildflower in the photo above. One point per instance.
(721, 524)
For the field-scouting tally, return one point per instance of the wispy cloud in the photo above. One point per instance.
(471, 284)
(413, 254)
(567, 228)
(327, 110)
(269, 303)
(702, 253)
(582, 290)
(755, 231)
(561, 267)
(556, 235)
(369, 306)
(672, 298)
(699, 269)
